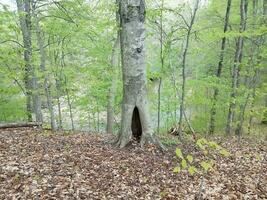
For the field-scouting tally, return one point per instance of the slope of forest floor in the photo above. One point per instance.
(82, 166)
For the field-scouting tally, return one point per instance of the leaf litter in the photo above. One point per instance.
(35, 165)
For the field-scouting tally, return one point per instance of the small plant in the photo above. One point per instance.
(209, 149)
(202, 166)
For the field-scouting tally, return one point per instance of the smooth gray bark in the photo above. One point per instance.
(135, 109)
(24, 12)
(219, 69)
(33, 101)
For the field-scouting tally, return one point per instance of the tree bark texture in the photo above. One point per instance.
(135, 102)
(33, 101)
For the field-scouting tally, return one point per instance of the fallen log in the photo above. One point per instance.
(20, 124)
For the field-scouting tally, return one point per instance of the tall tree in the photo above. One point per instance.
(161, 62)
(112, 89)
(237, 65)
(220, 67)
(184, 60)
(135, 119)
(33, 101)
(46, 84)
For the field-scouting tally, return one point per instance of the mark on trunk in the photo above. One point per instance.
(136, 125)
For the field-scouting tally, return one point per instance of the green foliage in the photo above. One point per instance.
(79, 37)
(203, 163)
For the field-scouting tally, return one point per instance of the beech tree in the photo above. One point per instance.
(135, 119)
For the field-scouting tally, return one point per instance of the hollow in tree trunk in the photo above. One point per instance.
(135, 119)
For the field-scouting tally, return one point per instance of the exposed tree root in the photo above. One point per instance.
(145, 140)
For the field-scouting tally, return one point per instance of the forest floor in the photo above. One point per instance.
(82, 166)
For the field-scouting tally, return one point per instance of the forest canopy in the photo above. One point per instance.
(205, 65)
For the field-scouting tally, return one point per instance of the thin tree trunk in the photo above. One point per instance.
(89, 121)
(58, 89)
(45, 74)
(241, 118)
(265, 7)
(162, 65)
(98, 120)
(179, 97)
(236, 67)
(182, 104)
(112, 89)
(69, 105)
(219, 69)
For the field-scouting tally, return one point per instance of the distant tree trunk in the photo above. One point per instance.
(98, 119)
(135, 119)
(58, 89)
(184, 59)
(69, 105)
(265, 7)
(236, 67)
(89, 121)
(162, 64)
(40, 42)
(264, 120)
(219, 69)
(112, 89)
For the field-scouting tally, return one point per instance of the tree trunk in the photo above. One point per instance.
(219, 69)
(69, 105)
(236, 67)
(184, 59)
(58, 88)
(265, 7)
(162, 65)
(21, 124)
(112, 89)
(45, 74)
(135, 102)
(33, 101)
(26, 34)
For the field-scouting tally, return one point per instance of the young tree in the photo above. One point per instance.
(46, 84)
(219, 69)
(184, 59)
(237, 67)
(135, 119)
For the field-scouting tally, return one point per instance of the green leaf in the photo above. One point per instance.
(192, 170)
(201, 143)
(213, 145)
(224, 153)
(184, 164)
(189, 158)
(179, 153)
(176, 169)
(206, 165)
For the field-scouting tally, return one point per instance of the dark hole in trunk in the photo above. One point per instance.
(136, 125)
